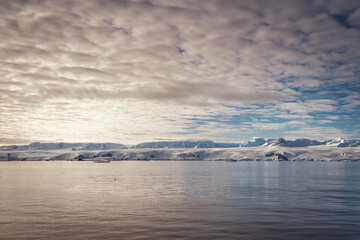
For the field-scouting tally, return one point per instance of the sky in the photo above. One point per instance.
(133, 71)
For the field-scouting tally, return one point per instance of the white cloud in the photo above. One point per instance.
(309, 106)
(150, 64)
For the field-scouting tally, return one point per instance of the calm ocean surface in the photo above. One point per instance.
(180, 200)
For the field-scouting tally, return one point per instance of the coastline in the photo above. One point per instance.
(263, 153)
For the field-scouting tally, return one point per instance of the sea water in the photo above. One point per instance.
(179, 200)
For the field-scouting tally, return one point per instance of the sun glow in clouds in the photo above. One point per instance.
(133, 71)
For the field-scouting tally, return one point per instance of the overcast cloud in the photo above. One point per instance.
(133, 71)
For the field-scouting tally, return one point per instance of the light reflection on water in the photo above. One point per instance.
(184, 200)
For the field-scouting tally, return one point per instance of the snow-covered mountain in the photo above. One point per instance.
(185, 144)
(256, 142)
(258, 149)
(61, 145)
(262, 153)
(100, 146)
(301, 142)
(341, 142)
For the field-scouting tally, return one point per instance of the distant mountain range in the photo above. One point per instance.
(256, 142)
(61, 145)
(185, 144)
(302, 142)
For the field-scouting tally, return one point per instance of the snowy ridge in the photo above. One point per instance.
(301, 142)
(256, 142)
(185, 144)
(341, 142)
(61, 145)
(259, 149)
(262, 153)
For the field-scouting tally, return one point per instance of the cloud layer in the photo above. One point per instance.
(129, 71)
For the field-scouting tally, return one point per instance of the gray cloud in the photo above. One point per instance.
(182, 53)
